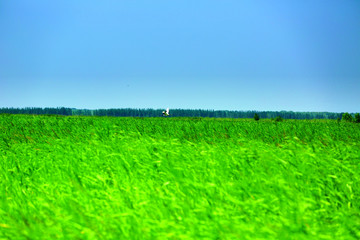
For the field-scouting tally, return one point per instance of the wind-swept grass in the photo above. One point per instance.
(178, 178)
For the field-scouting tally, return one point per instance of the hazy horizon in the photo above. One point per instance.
(162, 109)
(250, 55)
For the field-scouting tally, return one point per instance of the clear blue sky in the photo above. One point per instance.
(230, 55)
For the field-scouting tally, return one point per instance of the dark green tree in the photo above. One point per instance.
(357, 118)
(278, 119)
(347, 117)
(256, 117)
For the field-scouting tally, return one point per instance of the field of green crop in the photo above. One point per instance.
(178, 178)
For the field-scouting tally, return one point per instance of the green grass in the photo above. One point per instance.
(178, 178)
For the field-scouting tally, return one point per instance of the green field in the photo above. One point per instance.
(178, 178)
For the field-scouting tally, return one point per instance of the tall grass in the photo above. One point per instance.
(178, 178)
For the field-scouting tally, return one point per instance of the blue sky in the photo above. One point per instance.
(228, 55)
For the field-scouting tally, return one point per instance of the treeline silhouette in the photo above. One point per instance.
(132, 112)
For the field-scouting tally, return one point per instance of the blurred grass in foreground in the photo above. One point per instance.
(178, 178)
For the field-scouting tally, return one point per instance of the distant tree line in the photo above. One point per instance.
(132, 112)
(38, 111)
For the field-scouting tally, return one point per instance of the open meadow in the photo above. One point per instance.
(178, 178)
